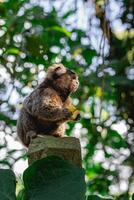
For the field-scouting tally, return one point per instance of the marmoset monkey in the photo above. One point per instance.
(49, 106)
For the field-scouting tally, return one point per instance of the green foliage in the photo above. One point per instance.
(21, 195)
(54, 178)
(49, 178)
(115, 140)
(33, 37)
(96, 197)
(7, 184)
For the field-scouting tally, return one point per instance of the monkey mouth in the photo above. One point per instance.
(74, 85)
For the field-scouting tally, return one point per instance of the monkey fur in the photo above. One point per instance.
(49, 106)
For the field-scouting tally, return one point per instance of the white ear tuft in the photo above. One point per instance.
(56, 68)
(60, 70)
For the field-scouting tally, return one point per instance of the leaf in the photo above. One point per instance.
(7, 185)
(96, 197)
(54, 178)
(13, 51)
(60, 29)
(21, 195)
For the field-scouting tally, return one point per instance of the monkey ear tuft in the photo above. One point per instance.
(57, 68)
(60, 70)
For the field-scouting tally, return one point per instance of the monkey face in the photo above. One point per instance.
(74, 82)
(64, 78)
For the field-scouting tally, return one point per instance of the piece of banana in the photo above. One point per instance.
(72, 108)
(75, 112)
(76, 115)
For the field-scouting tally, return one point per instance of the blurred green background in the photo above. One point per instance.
(95, 39)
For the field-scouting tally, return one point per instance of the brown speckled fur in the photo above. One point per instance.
(44, 110)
